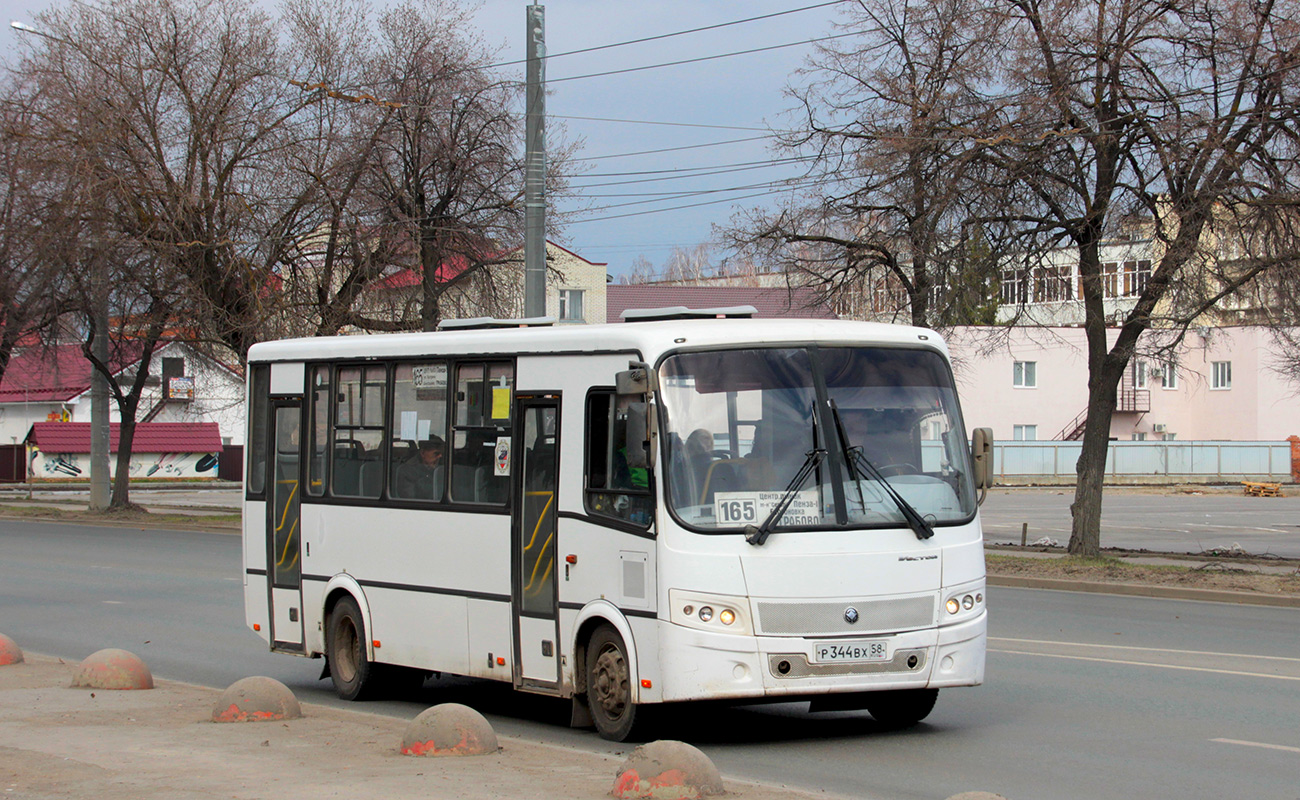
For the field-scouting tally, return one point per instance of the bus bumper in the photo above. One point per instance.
(706, 665)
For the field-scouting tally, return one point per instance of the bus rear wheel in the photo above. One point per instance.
(609, 685)
(345, 647)
(901, 708)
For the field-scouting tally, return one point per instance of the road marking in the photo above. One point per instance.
(1149, 664)
(1265, 745)
(112, 602)
(1146, 649)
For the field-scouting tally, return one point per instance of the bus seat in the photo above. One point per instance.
(722, 476)
(370, 478)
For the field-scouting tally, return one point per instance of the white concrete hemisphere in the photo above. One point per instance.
(449, 729)
(10, 652)
(256, 699)
(667, 770)
(977, 796)
(113, 669)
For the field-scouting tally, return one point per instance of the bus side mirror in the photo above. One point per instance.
(640, 449)
(981, 456)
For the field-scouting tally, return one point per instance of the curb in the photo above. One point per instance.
(1144, 590)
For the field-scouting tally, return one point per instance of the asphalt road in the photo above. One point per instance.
(1173, 523)
(1087, 696)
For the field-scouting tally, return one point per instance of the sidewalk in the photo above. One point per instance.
(160, 744)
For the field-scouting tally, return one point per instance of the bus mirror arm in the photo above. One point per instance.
(638, 378)
(640, 436)
(981, 456)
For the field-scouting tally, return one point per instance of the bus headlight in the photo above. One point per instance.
(709, 612)
(963, 603)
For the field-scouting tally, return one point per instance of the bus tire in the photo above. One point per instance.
(352, 672)
(901, 708)
(609, 685)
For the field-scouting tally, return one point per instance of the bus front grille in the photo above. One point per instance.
(832, 618)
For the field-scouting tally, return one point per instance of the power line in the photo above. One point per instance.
(671, 208)
(673, 149)
(699, 59)
(670, 35)
(659, 122)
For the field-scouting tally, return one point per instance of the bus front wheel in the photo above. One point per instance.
(345, 647)
(901, 708)
(609, 685)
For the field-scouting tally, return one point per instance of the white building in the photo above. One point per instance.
(52, 384)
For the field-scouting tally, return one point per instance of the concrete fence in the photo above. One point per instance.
(1147, 462)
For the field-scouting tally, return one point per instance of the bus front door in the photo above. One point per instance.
(283, 529)
(536, 470)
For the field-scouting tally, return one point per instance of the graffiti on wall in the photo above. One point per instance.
(71, 466)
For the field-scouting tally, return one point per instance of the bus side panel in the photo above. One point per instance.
(613, 565)
(256, 599)
(420, 571)
(490, 638)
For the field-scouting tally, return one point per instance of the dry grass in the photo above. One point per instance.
(1237, 576)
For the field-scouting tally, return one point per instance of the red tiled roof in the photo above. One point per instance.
(150, 437)
(771, 302)
(45, 374)
(454, 266)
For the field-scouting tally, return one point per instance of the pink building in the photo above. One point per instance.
(1031, 383)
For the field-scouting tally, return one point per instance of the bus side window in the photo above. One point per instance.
(257, 430)
(613, 488)
(318, 430)
(481, 415)
(357, 457)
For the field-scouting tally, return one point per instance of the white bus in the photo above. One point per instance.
(669, 509)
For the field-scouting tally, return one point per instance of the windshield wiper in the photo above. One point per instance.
(756, 536)
(858, 463)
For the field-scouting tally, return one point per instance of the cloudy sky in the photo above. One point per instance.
(620, 117)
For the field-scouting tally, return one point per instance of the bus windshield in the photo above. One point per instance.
(740, 425)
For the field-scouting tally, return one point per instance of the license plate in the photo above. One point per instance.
(852, 651)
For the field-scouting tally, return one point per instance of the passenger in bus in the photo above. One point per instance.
(421, 478)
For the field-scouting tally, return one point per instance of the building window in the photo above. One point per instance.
(1221, 377)
(1168, 375)
(1140, 436)
(1024, 433)
(1110, 279)
(1140, 374)
(571, 305)
(1025, 374)
(1136, 275)
(1014, 289)
(1052, 284)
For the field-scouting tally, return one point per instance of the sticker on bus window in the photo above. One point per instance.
(751, 508)
(429, 376)
(501, 457)
(500, 402)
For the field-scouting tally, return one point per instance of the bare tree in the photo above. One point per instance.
(1180, 112)
(29, 285)
(884, 123)
(449, 176)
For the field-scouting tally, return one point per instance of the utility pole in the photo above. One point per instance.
(99, 427)
(535, 167)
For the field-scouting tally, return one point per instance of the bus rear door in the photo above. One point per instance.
(535, 460)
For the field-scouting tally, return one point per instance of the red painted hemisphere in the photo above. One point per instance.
(113, 669)
(256, 699)
(449, 729)
(667, 770)
(10, 652)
